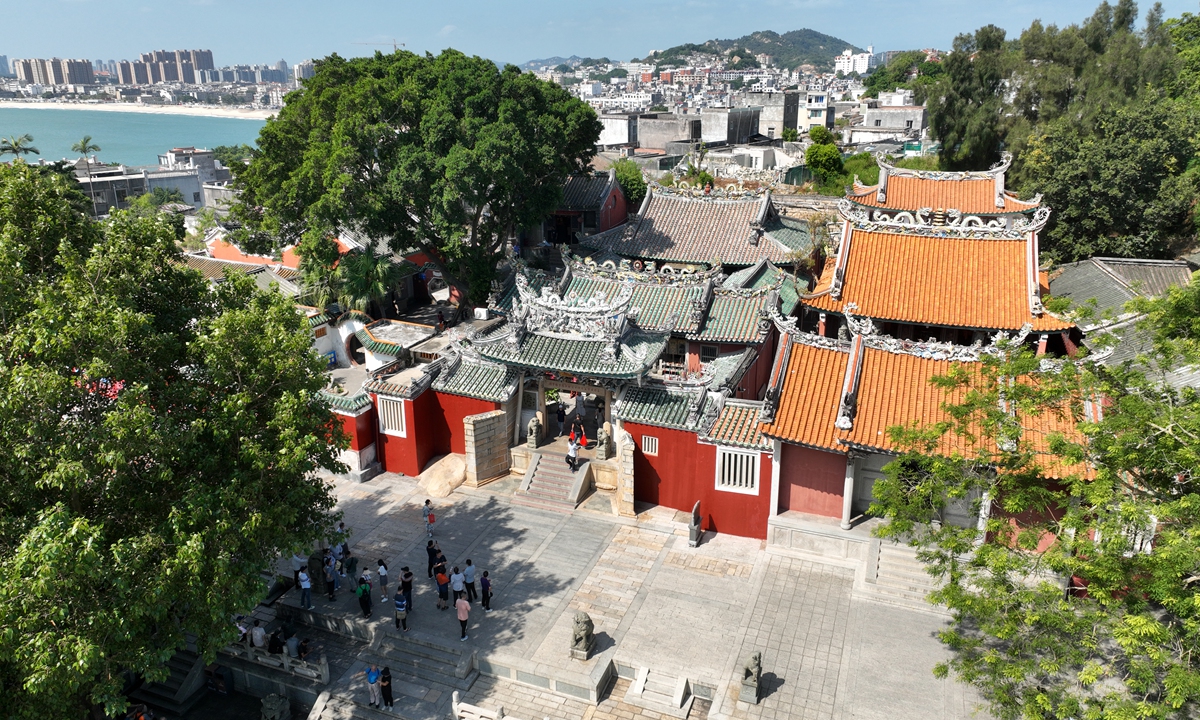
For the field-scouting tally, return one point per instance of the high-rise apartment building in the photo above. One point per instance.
(4, 65)
(54, 71)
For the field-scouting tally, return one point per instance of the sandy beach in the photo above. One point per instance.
(214, 111)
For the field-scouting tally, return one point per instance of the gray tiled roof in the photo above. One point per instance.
(728, 369)
(484, 381)
(1135, 348)
(585, 192)
(573, 356)
(1112, 282)
(673, 228)
(792, 233)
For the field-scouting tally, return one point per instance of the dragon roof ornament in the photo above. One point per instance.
(957, 225)
(647, 274)
(685, 189)
(997, 169)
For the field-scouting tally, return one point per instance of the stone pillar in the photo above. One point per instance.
(516, 425)
(625, 449)
(776, 453)
(541, 405)
(848, 489)
(486, 445)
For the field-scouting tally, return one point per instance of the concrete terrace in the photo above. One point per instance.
(656, 604)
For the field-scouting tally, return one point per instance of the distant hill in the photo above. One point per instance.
(790, 50)
(550, 62)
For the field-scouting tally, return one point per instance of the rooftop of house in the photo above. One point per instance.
(1112, 282)
(967, 279)
(731, 227)
(764, 275)
(388, 336)
(586, 192)
(844, 395)
(970, 193)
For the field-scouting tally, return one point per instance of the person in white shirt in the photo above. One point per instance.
(305, 583)
(383, 578)
(458, 583)
(258, 635)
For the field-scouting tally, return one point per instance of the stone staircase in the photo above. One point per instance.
(549, 484)
(899, 578)
(182, 689)
(660, 693)
(425, 671)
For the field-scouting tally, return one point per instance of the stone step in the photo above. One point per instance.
(415, 668)
(525, 500)
(900, 590)
(905, 573)
(548, 494)
(655, 691)
(354, 706)
(417, 646)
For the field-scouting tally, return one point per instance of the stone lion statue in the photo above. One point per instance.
(581, 631)
(752, 670)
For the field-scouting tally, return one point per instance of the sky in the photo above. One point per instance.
(257, 31)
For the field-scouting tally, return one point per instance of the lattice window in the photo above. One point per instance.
(320, 332)
(649, 445)
(737, 471)
(391, 417)
(708, 353)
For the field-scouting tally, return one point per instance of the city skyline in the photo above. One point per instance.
(627, 29)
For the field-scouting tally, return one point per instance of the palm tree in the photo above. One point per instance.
(84, 147)
(17, 146)
(366, 279)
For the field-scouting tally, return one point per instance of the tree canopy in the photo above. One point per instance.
(631, 180)
(1080, 595)
(446, 153)
(157, 446)
(1065, 99)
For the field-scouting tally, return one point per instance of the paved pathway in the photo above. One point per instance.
(697, 612)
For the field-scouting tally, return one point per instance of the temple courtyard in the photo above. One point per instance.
(663, 611)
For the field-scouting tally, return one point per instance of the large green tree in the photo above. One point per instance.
(157, 446)
(1080, 597)
(446, 153)
(965, 108)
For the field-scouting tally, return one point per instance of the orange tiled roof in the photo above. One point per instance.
(955, 282)
(738, 425)
(972, 196)
(893, 389)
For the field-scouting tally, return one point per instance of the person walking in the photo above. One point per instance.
(382, 572)
(363, 591)
(305, 583)
(469, 581)
(464, 613)
(458, 583)
(373, 674)
(406, 585)
(572, 453)
(427, 511)
(401, 610)
(432, 550)
(576, 426)
(485, 588)
(561, 416)
(339, 557)
(385, 687)
(332, 562)
(443, 590)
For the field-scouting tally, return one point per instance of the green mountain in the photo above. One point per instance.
(790, 50)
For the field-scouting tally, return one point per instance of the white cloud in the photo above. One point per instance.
(446, 30)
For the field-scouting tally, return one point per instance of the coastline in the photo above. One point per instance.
(212, 111)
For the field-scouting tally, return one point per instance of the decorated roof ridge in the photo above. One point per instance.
(997, 169)
(381, 380)
(646, 273)
(980, 192)
(956, 225)
(628, 355)
(686, 190)
(356, 401)
(738, 317)
(349, 315)
(737, 424)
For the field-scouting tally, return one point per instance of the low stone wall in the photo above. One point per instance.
(560, 678)
(486, 444)
(625, 450)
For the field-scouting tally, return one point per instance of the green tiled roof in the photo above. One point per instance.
(733, 319)
(483, 381)
(727, 370)
(319, 319)
(664, 407)
(346, 402)
(636, 355)
(352, 315)
(765, 275)
(794, 234)
(656, 303)
(738, 425)
(376, 346)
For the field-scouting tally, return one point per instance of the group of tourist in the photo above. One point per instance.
(459, 584)
(283, 640)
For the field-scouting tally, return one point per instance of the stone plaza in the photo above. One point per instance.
(665, 615)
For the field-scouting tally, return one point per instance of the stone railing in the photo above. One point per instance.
(318, 671)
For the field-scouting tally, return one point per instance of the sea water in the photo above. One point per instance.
(131, 138)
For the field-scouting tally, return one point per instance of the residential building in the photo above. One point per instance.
(893, 122)
(618, 130)
(303, 70)
(818, 110)
(591, 203)
(852, 62)
(778, 110)
(207, 167)
(4, 69)
(655, 130)
(54, 71)
(729, 125)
